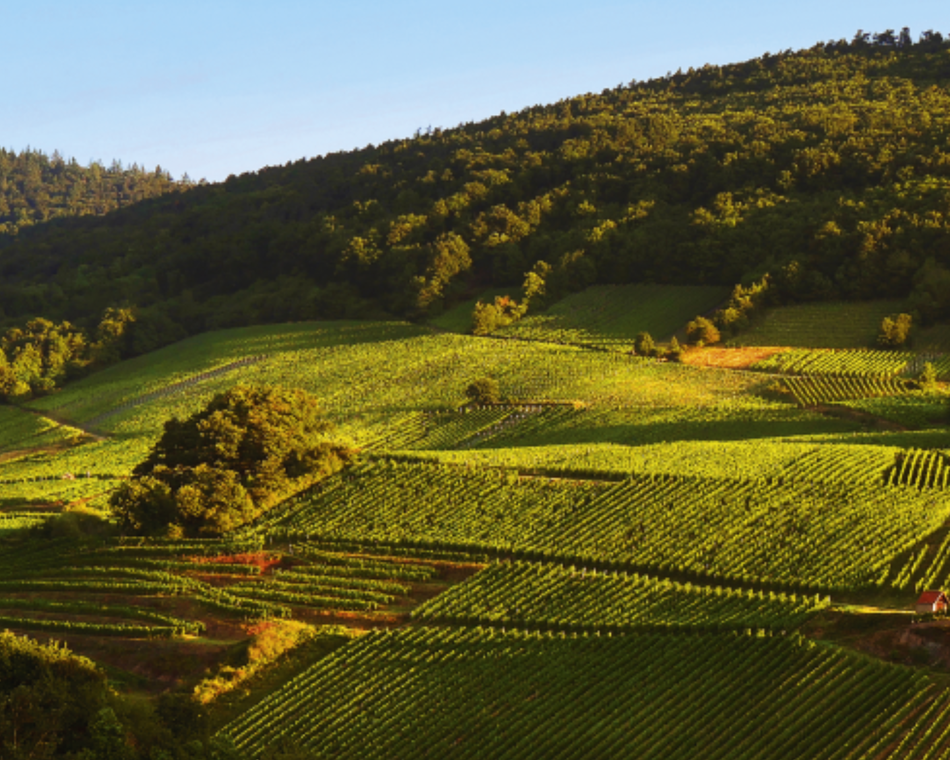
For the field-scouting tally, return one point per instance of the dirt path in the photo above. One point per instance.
(62, 422)
(728, 358)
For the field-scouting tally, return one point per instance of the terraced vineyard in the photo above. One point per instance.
(610, 316)
(659, 531)
(838, 535)
(554, 597)
(821, 325)
(218, 578)
(865, 363)
(486, 693)
(815, 390)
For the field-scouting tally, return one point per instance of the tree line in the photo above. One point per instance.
(36, 188)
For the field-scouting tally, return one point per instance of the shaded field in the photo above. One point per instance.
(610, 316)
(820, 325)
(485, 693)
(838, 528)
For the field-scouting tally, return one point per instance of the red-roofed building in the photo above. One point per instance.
(932, 601)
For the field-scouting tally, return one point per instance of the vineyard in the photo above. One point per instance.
(215, 578)
(864, 363)
(557, 598)
(658, 539)
(916, 410)
(21, 430)
(610, 316)
(821, 325)
(788, 532)
(472, 692)
(814, 390)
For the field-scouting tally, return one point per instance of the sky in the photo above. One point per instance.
(212, 88)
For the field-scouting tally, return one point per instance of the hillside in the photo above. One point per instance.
(826, 168)
(621, 545)
(711, 551)
(36, 188)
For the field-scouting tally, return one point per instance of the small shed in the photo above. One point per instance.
(932, 601)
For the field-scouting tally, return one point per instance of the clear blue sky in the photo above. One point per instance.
(213, 88)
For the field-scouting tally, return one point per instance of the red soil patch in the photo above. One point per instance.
(728, 358)
(263, 560)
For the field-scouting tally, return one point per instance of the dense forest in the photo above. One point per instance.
(827, 168)
(36, 188)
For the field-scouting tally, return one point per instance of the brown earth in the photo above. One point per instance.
(728, 358)
(892, 637)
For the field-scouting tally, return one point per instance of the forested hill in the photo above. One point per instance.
(828, 168)
(36, 188)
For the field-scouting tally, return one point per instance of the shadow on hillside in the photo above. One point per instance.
(672, 431)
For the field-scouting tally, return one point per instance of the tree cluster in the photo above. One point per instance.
(39, 357)
(229, 462)
(36, 188)
(826, 168)
(54, 703)
(895, 330)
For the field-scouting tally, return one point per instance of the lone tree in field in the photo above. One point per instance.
(675, 351)
(927, 380)
(895, 330)
(230, 462)
(485, 390)
(643, 344)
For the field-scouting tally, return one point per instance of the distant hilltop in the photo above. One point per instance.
(826, 169)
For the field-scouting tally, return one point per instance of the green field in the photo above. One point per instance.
(658, 537)
(557, 597)
(821, 325)
(791, 532)
(484, 693)
(610, 316)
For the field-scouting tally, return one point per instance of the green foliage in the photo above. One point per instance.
(859, 363)
(927, 380)
(643, 344)
(702, 330)
(37, 188)
(49, 698)
(930, 297)
(448, 256)
(484, 390)
(709, 176)
(745, 303)
(229, 462)
(609, 316)
(895, 330)
(820, 325)
(39, 357)
(722, 527)
(530, 595)
(821, 389)
(488, 317)
(113, 336)
(613, 696)
(675, 351)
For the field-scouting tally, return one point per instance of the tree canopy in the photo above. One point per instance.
(37, 188)
(827, 168)
(229, 462)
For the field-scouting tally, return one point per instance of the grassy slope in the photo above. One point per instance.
(610, 316)
(821, 325)
(635, 417)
